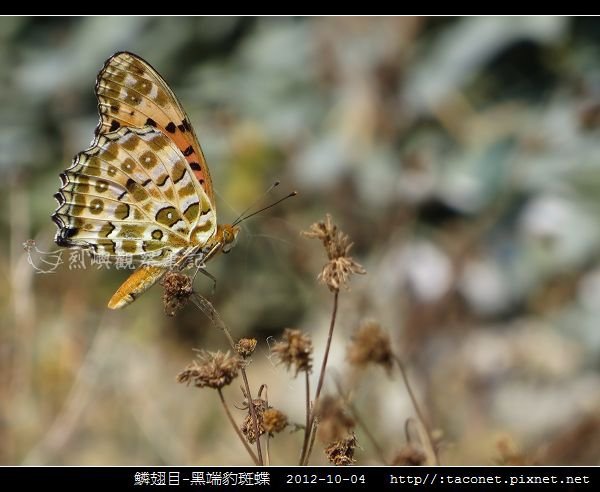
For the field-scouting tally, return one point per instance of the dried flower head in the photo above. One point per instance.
(213, 369)
(295, 349)
(409, 455)
(334, 423)
(247, 427)
(274, 420)
(337, 272)
(341, 452)
(177, 291)
(370, 344)
(245, 347)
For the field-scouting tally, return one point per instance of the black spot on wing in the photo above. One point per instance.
(188, 151)
(185, 126)
(171, 127)
(62, 237)
(162, 180)
(115, 125)
(60, 198)
(151, 122)
(195, 166)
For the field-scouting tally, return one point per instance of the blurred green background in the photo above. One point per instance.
(460, 154)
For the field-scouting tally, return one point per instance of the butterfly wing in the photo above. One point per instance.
(132, 94)
(143, 187)
(133, 193)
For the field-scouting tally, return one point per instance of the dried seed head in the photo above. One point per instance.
(213, 370)
(177, 291)
(409, 455)
(247, 427)
(336, 273)
(295, 349)
(334, 423)
(274, 420)
(341, 452)
(370, 344)
(245, 347)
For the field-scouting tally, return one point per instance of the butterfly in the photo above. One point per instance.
(143, 188)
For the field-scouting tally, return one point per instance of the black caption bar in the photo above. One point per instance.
(295, 478)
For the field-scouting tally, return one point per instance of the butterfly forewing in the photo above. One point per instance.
(132, 94)
(133, 193)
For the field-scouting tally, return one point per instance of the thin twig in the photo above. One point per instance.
(308, 409)
(370, 436)
(267, 451)
(268, 435)
(308, 415)
(327, 347)
(306, 449)
(360, 422)
(237, 430)
(253, 415)
(313, 434)
(429, 440)
(208, 309)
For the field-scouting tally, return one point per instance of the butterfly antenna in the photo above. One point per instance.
(242, 217)
(257, 201)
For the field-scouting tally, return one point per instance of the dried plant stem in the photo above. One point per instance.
(356, 416)
(307, 427)
(428, 442)
(359, 420)
(311, 442)
(253, 415)
(310, 430)
(267, 451)
(327, 347)
(236, 428)
(208, 309)
(307, 384)
(267, 434)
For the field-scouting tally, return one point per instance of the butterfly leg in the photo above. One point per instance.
(210, 276)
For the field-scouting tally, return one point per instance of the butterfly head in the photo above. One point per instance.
(227, 236)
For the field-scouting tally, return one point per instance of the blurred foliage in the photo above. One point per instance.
(460, 154)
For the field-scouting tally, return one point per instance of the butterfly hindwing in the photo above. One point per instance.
(132, 94)
(133, 193)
